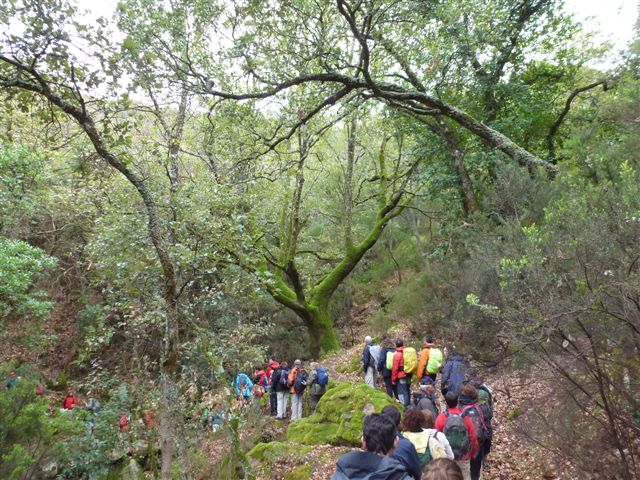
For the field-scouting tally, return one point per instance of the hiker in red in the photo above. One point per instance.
(69, 401)
(399, 377)
(463, 461)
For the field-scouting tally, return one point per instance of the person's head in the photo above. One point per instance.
(428, 339)
(12, 374)
(368, 340)
(451, 399)
(443, 469)
(392, 413)
(284, 364)
(413, 421)
(399, 343)
(468, 395)
(386, 343)
(379, 434)
(297, 363)
(257, 368)
(429, 419)
(313, 365)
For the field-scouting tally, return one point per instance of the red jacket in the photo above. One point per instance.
(273, 366)
(398, 362)
(442, 419)
(69, 402)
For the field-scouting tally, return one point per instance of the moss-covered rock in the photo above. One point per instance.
(269, 452)
(302, 472)
(339, 416)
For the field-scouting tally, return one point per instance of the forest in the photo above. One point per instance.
(190, 188)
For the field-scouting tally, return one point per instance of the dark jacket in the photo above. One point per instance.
(382, 362)
(369, 360)
(275, 379)
(359, 465)
(454, 373)
(407, 455)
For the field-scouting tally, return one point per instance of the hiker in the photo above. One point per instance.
(92, 404)
(405, 452)
(243, 386)
(260, 377)
(298, 381)
(149, 419)
(425, 398)
(12, 380)
(375, 461)
(260, 385)
(370, 356)
(453, 373)
(272, 366)
(485, 400)
(385, 364)
(427, 447)
(468, 403)
(401, 376)
(280, 381)
(124, 421)
(430, 428)
(460, 432)
(443, 469)
(318, 380)
(69, 401)
(40, 389)
(434, 360)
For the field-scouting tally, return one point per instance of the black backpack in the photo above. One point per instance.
(283, 380)
(300, 382)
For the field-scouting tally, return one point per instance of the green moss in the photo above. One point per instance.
(339, 417)
(269, 452)
(299, 473)
(514, 413)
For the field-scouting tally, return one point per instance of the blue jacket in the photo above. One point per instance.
(243, 385)
(454, 373)
(407, 455)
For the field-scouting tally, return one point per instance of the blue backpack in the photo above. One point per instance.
(323, 376)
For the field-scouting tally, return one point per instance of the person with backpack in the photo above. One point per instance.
(401, 372)
(430, 428)
(460, 432)
(298, 381)
(385, 365)
(413, 429)
(375, 461)
(243, 387)
(454, 373)
(280, 384)
(485, 400)
(317, 382)
(370, 356)
(424, 357)
(468, 403)
(425, 398)
(404, 452)
(272, 366)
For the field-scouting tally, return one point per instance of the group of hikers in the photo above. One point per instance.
(426, 442)
(91, 404)
(283, 384)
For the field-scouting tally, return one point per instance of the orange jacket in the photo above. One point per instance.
(424, 359)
